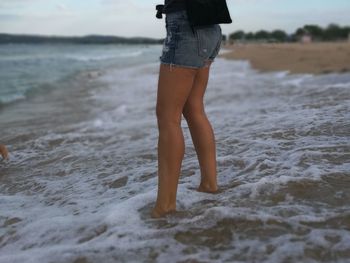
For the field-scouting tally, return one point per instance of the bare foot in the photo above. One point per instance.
(207, 189)
(3, 151)
(158, 213)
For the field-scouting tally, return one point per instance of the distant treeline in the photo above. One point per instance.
(93, 39)
(333, 32)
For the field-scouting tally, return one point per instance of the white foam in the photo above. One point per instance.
(99, 182)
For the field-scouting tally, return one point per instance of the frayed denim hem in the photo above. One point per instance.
(185, 66)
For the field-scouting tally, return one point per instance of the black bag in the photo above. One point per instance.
(207, 12)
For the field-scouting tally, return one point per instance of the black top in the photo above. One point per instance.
(175, 5)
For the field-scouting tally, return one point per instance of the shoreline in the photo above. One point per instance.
(296, 58)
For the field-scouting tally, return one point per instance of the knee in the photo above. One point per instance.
(193, 111)
(194, 116)
(166, 118)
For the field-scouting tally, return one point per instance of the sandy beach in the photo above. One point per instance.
(313, 58)
(81, 177)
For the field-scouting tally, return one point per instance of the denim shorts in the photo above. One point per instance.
(186, 47)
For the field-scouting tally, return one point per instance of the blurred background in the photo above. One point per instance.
(78, 85)
(137, 17)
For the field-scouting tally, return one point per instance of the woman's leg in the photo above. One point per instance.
(174, 87)
(201, 131)
(3, 152)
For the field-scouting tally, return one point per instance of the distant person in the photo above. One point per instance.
(4, 152)
(183, 76)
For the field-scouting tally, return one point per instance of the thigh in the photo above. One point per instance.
(194, 103)
(174, 86)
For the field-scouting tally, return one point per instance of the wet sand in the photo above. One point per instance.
(313, 58)
(81, 178)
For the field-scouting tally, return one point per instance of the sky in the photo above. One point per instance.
(137, 17)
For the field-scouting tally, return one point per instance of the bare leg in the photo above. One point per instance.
(4, 152)
(201, 132)
(174, 87)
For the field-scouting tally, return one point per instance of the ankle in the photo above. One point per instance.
(207, 187)
(162, 211)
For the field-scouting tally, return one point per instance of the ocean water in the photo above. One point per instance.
(27, 69)
(79, 122)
